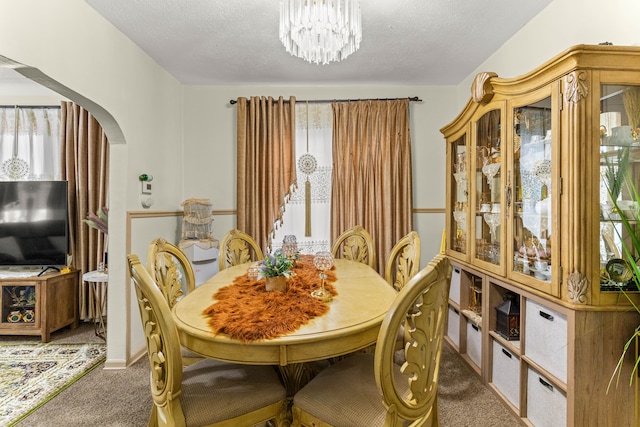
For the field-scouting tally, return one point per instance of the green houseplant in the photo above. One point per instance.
(616, 179)
(276, 268)
(614, 174)
(98, 220)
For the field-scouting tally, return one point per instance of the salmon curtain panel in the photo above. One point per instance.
(371, 180)
(266, 172)
(85, 164)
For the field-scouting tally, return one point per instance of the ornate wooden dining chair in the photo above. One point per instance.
(172, 273)
(236, 248)
(404, 261)
(370, 389)
(207, 393)
(170, 269)
(355, 244)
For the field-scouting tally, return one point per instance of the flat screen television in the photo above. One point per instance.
(34, 223)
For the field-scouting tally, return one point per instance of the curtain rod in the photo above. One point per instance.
(29, 106)
(415, 99)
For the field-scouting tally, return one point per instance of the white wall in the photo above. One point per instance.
(562, 24)
(81, 55)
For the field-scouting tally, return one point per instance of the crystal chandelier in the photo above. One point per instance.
(320, 31)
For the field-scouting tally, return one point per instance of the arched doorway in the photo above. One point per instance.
(18, 80)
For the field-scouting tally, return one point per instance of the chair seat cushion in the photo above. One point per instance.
(345, 394)
(213, 391)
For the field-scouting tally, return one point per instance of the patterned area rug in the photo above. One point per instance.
(32, 374)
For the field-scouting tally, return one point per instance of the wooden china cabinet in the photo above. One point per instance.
(537, 305)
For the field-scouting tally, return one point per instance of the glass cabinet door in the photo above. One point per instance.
(488, 187)
(460, 195)
(619, 183)
(18, 303)
(531, 195)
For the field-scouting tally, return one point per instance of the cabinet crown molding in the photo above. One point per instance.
(481, 89)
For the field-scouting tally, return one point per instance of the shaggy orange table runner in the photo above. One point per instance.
(246, 311)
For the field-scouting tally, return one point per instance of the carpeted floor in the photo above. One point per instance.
(463, 401)
(121, 398)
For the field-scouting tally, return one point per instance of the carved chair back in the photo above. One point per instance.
(404, 261)
(236, 248)
(355, 244)
(170, 269)
(421, 308)
(163, 344)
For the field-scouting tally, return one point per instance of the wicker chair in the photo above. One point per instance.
(355, 244)
(236, 248)
(370, 389)
(404, 261)
(207, 393)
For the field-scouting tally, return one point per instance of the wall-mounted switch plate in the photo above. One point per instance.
(146, 187)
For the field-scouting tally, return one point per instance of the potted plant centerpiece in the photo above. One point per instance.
(276, 268)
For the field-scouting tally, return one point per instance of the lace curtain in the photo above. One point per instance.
(35, 154)
(320, 124)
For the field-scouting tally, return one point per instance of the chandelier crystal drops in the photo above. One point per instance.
(320, 31)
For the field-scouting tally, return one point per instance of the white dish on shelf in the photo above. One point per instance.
(541, 274)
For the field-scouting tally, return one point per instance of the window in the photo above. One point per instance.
(313, 136)
(30, 146)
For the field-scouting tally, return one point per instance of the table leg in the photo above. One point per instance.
(296, 376)
(98, 323)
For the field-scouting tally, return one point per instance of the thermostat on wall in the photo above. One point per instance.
(146, 187)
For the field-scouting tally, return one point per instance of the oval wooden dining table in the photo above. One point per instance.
(352, 323)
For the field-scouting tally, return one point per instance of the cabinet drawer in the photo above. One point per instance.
(454, 289)
(546, 339)
(505, 373)
(474, 343)
(453, 326)
(546, 405)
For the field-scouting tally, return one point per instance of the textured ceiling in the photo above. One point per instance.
(413, 42)
(234, 42)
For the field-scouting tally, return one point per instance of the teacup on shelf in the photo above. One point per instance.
(14, 316)
(541, 265)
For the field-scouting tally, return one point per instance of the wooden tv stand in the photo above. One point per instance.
(39, 305)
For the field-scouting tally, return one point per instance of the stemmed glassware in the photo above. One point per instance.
(490, 170)
(323, 262)
(290, 247)
(253, 271)
(460, 216)
(493, 221)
